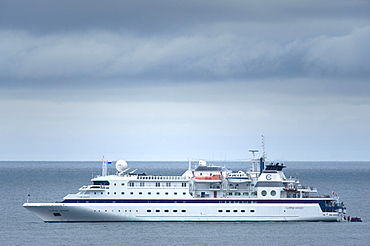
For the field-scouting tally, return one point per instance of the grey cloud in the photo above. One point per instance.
(163, 16)
(97, 55)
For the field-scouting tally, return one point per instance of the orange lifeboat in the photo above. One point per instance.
(213, 177)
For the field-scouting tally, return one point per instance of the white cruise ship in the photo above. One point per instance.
(202, 193)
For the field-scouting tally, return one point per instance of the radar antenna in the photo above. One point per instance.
(253, 151)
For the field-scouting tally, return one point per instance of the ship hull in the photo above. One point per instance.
(115, 212)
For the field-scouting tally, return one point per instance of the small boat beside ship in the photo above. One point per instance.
(203, 193)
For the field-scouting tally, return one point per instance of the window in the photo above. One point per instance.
(175, 211)
(168, 184)
(101, 183)
(263, 193)
(227, 211)
(142, 184)
(123, 184)
(273, 193)
(131, 193)
(183, 185)
(140, 193)
(149, 193)
(220, 211)
(148, 211)
(252, 211)
(184, 193)
(175, 193)
(184, 211)
(157, 184)
(235, 211)
(157, 210)
(122, 193)
(166, 211)
(131, 184)
(242, 211)
(166, 193)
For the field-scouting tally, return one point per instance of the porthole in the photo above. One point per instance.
(264, 193)
(252, 211)
(273, 193)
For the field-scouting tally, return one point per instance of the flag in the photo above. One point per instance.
(109, 162)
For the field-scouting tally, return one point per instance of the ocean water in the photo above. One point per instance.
(51, 181)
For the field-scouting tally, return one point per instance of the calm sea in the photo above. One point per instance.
(51, 181)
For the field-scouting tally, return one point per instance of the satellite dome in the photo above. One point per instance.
(121, 165)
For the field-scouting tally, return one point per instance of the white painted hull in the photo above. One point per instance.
(110, 212)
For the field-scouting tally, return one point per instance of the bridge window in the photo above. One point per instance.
(101, 182)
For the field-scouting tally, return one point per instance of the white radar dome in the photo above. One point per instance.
(121, 165)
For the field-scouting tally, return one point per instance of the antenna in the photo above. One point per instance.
(189, 164)
(263, 147)
(104, 168)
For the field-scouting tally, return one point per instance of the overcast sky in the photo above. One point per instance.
(169, 80)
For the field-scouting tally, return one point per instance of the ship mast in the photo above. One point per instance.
(104, 170)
